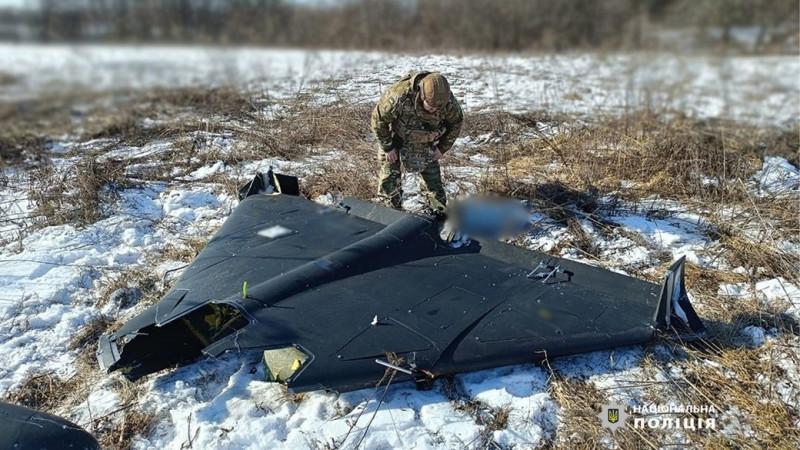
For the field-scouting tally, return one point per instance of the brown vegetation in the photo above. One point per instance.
(510, 25)
(592, 170)
(75, 196)
(43, 391)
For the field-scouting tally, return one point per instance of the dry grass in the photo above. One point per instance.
(185, 251)
(44, 391)
(76, 196)
(134, 423)
(136, 285)
(117, 429)
(488, 418)
(678, 157)
(356, 178)
(736, 380)
(568, 176)
(51, 393)
(14, 148)
(580, 403)
(85, 341)
(759, 258)
(725, 378)
(31, 126)
(120, 427)
(703, 165)
(299, 127)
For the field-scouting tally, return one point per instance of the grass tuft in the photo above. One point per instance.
(43, 391)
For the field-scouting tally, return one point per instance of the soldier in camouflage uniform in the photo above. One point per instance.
(416, 121)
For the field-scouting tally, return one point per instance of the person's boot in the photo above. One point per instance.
(389, 202)
(436, 208)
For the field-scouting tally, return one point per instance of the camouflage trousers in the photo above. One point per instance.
(390, 183)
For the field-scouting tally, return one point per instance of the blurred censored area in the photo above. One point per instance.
(489, 217)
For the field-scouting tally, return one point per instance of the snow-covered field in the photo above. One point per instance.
(762, 90)
(50, 278)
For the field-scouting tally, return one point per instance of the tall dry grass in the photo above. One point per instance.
(587, 170)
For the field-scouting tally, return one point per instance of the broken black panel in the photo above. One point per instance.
(23, 428)
(159, 346)
(330, 290)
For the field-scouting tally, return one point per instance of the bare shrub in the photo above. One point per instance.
(355, 178)
(44, 391)
(477, 25)
(131, 286)
(732, 377)
(134, 423)
(14, 148)
(491, 419)
(185, 251)
(303, 125)
(119, 428)
(74, 197)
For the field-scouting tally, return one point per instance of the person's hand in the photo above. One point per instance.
(391, 156)
(437, 154)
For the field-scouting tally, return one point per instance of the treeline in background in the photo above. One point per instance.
(418, 25)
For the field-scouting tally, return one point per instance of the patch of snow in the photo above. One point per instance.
(781, 290)
(777, 176)
(522, 390)
(479, 158)
(615, 83)
(128, 153)
(50, 278)
(757, 336)
(205, 172)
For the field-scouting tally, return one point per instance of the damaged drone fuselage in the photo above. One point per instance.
(325, 292)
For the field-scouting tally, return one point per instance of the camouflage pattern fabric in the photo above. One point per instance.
(400, 122)
(431, 182)
(390, 182)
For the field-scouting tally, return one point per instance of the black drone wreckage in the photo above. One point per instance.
(23, 428)
(333, 296)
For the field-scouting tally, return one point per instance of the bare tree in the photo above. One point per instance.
(416, 25)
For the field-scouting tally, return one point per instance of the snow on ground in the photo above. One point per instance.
(762, 90)
(49, 281)
(777, 177)
(47, 290)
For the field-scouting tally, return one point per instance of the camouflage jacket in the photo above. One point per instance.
(400, 122)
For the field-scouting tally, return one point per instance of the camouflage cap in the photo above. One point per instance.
(435, 90)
